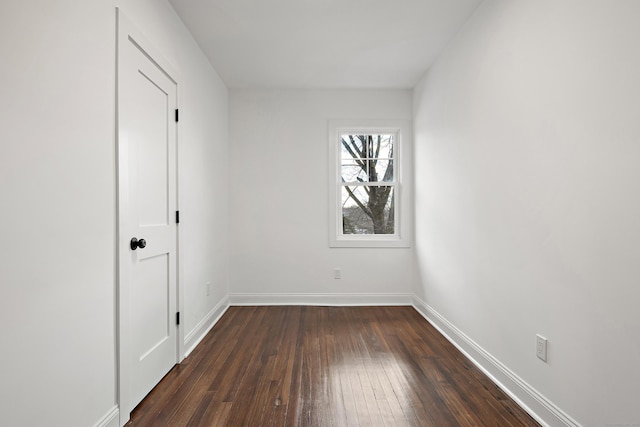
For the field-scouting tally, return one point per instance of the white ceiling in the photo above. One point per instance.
(323, 43)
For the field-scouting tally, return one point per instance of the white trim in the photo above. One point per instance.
(320, 299)
(403, 179)
(197, 334)
(110, 419)
(532, 401)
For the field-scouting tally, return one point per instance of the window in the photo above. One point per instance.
(367, 190)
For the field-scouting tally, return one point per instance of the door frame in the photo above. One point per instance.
(127, 33)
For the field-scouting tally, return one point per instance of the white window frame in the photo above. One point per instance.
(402, 181)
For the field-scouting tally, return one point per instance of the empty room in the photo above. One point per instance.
(320, 213)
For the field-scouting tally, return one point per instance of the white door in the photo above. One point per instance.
(147, 134)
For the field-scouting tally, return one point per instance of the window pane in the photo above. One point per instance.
(386, 146)
(384, 170)
(368, 209)
(352, 146)
(374, 146)
(353, 172)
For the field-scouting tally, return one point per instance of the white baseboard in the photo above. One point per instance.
(538, 406)
(320, 299)
(110, 419)
(193, 338)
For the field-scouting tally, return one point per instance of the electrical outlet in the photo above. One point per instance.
(541, 348)
(208, 285)
(337, 273)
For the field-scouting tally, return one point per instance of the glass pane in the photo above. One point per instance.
(368, 209)
(373, 146)
(386, 146)
(352, 171)
(352, 146)
(384, 171)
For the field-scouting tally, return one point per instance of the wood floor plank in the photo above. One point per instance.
(326, 366)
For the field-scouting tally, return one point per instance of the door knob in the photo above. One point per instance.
(135, 243)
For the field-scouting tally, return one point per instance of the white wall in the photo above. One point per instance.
(58, 216)
(527, 135)
(279, 198)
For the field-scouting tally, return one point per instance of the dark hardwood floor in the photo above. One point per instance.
(326, 366)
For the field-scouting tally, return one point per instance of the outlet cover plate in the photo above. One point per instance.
(541, 348)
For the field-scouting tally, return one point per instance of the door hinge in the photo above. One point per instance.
(177, 217)
(176, 114)
(177, 318)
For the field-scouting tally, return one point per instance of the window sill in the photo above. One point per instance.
(376, 242)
